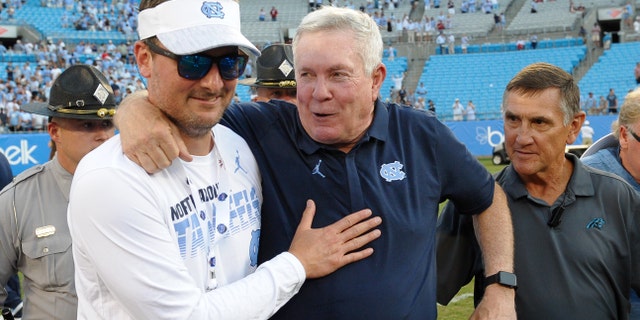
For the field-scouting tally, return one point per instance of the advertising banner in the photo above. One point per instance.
(7, 31)
(481, 136)
(25, 150)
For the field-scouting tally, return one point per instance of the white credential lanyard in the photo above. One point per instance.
(218, 214)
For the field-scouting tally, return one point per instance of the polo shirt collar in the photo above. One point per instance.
(580, 183)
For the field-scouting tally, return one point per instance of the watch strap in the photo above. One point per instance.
(503, 278)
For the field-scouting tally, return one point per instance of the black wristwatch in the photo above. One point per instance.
(502, 278)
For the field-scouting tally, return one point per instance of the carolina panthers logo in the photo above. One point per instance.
(392, 171)
(596, 223)
(212, 10)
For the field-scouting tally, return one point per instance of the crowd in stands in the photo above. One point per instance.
(98, 15)
(93, 18)
(9, 7)
(273, 13)
(428, 27)
(91, 15)
(606, 104)
(31, 81)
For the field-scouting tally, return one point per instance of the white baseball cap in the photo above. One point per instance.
(193, 26)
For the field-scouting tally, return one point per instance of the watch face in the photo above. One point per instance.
(508, 279)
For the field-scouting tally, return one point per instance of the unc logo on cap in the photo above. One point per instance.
(212, 10)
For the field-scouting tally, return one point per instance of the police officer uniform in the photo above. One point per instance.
(34, 235)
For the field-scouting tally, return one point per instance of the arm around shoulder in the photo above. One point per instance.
(148, 137)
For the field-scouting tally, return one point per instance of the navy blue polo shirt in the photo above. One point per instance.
(404, 166)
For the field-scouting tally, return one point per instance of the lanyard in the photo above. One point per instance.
(218, 216)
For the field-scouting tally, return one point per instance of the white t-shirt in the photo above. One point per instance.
(178, 244)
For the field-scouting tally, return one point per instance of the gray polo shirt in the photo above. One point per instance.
(581, 269)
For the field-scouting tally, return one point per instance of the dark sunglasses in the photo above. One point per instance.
(196, 66)
(633, 134)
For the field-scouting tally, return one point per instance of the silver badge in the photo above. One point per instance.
(285, 67)
(101, 94)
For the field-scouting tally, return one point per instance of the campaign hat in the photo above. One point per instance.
(274, 68)
(80, 92)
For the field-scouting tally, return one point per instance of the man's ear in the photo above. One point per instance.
(378, 75)
(143, 58)
(575, 125)
(54, 131)
(623, 139)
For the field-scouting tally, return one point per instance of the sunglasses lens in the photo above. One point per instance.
(194, 67)
(231, 67)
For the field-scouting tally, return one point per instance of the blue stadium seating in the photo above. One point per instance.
(48, 21)
(397, 66)
(614, 69)
(482, 77)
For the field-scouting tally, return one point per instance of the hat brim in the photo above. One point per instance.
(280, 84)
(248, 82)
(43, 109)
(37, 108)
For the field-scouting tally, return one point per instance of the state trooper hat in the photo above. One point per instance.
(80, 92)
(274, 68)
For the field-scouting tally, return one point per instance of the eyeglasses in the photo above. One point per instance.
(196, 66)
(633, 134)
